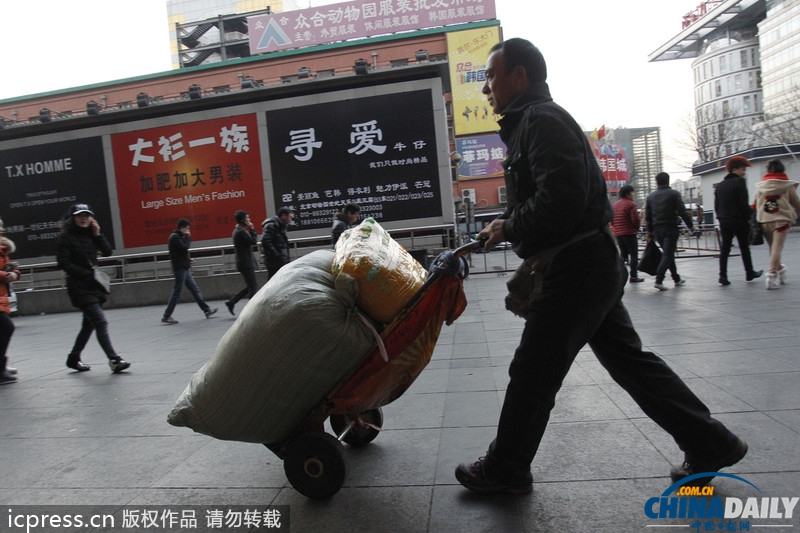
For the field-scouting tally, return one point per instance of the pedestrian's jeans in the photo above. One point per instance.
(667, 238)
(629, 247)
(581, 302)
(183, 276)
(93, 320)
(728, 229)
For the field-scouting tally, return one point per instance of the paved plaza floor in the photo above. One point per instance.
(97, 438)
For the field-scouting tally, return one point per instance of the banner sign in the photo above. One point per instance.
(358, 19)
(379, 152)
(202, 171)
(467, 52)
(611, 157)
(39, 184)
(481, 156)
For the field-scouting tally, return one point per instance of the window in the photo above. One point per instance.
(737, 83)
(723, 65)
(726, 109)
(718, 88)
(746, 104)
(721, 131)
(743, 58)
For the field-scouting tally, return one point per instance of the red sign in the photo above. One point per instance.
(202, 171)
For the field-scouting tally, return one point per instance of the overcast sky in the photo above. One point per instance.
(596, 54)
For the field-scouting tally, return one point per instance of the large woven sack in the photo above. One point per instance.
(293, 343)
(388, 276)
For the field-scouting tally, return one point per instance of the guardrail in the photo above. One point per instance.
(216, 260)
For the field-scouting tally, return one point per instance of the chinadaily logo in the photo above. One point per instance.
(707, 511)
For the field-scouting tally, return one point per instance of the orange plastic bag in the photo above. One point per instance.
(387, 275)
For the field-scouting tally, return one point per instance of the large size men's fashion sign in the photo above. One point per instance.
(202, 171)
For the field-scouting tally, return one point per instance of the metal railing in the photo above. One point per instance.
(213, 260)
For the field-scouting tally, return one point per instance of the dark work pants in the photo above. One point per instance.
(6, 330)
(93, 320)
(667, 239)
(629, 247)
(740, 228)
(250, 289)
(183, 277)
(581, 302)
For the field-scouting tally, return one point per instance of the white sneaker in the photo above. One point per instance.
(782, 274)
(772, 281)
(660, 286)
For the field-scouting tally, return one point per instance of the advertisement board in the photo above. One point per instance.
(357, 19)
(467, 52)
(481, 156)
(40, 182)
(377, 151)
(202, 171)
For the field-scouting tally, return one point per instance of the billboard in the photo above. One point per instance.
(611, 157)
(468, 51)
(40, 182)
(383, 146)
(358, 19)
(481, 156)
(377, 151)
(202, 171)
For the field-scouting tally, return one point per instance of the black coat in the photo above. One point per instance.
(731, 198)
(178, 245)
(555, 188)
(243, 242)
(76, 254)
(274, 244)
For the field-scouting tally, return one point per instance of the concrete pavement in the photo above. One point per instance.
(102, 439)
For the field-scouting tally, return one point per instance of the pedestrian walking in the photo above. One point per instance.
(344, 219)
(777, 204)
(663, 209)
(626, 226)
(178, 244)
(275, 241)
(76, 253)
(244, 238)
(8, 274)
(557, 220)
(732, 206)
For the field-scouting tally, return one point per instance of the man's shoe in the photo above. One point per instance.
(724, 281)
(230, 305)
(689, 468)
(477, 479)
(211, 312)
(169, 320)
(78, 365)
(634, 279)
(660, 286)
(118, 364)
(680, 282)
(7, 377)
(753, 275)
(11, 370)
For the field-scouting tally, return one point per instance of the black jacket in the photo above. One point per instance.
(554, 186)
(338, 227)
(274, 244)
(76, 254)
(731, 198)
(663, 208)
(243, 242)
(178, 246)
